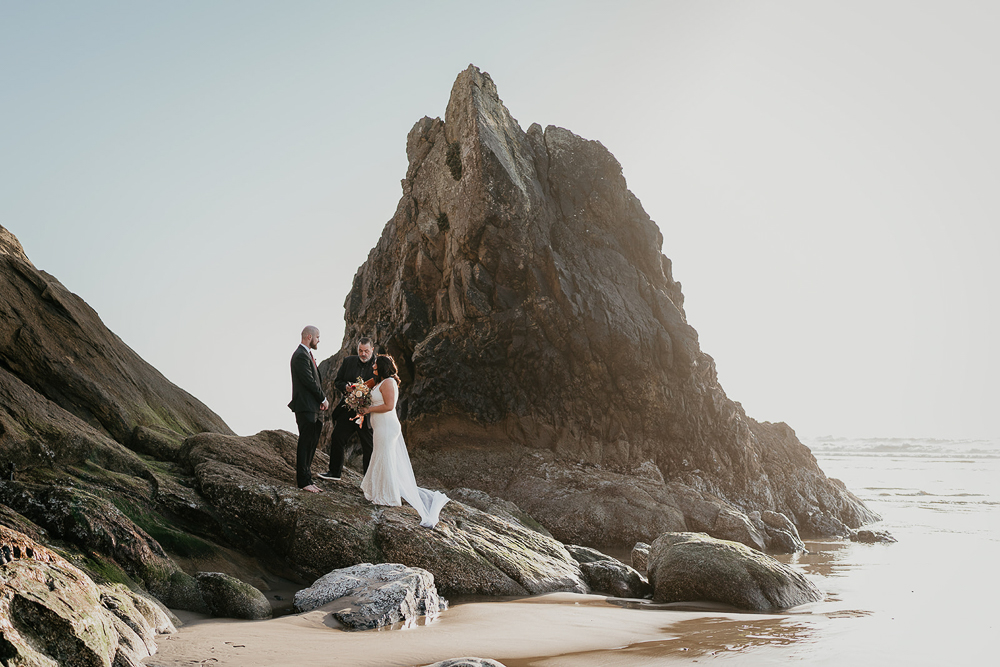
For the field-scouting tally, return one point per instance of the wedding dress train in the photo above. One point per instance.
(390, 475)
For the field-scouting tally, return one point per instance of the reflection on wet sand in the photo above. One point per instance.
(690, 639)
(409, 624)
(825, 559)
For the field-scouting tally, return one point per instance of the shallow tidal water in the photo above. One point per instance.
(928, 599)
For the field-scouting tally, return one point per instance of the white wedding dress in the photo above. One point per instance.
(390, 475)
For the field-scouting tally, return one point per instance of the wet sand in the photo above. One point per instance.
(553, 630)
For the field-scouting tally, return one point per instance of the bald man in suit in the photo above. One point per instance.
(307, 403)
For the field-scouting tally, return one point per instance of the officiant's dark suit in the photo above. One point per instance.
(343, 425)
(307, 402)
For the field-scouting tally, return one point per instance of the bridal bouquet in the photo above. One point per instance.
(359, 395)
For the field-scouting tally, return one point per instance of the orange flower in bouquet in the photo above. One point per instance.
(359, 395)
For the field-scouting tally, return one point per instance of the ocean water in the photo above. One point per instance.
(929, 599)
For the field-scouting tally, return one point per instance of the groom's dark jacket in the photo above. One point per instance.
(351, 369)
(307, 389)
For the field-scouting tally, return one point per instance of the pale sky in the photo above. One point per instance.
(209, 176)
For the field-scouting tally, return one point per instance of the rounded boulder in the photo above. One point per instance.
(689, 567)
(228, 597)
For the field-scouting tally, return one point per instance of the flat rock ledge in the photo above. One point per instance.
(248, 483)
(691, 567)
(367, 596)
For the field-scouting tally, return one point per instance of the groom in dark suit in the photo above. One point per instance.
(307, 403)
(361, 365)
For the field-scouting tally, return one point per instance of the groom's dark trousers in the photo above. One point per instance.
(344, 427)
(310, 426)
(307, 397)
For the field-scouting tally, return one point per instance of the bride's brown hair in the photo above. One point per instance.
(386, 367)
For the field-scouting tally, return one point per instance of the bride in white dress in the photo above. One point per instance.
(390, 475)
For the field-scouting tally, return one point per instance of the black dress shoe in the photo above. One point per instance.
(327, 476)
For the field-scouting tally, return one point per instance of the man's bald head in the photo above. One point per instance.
(310, 337)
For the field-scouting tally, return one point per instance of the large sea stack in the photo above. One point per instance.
(547, 369)
(544, 352)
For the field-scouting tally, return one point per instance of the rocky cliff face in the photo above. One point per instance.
(77, 407)
(51, 613)
(521, 288)
(69, 387)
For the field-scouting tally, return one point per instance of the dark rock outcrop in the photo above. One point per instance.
(872, 536)
(95, 525)
(497, 507)
(374, 595)
(142, 486)
(250, 483)
(229, 597)
(781, 533)
(77, 408)
(605, 574)
(522, 290)
(467, 662)
(579, 503)
(692, 567)
(52, 613)
(93, 433)
(613, 577)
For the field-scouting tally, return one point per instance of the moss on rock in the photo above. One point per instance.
(52, 613)
(229, 597)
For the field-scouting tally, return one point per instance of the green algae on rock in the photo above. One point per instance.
(52, 613)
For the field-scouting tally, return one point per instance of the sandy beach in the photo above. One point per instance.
(554, 629)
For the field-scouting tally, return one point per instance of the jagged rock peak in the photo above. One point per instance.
(525, 252)
(522, 289)
(9, 245)
(477, 117)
